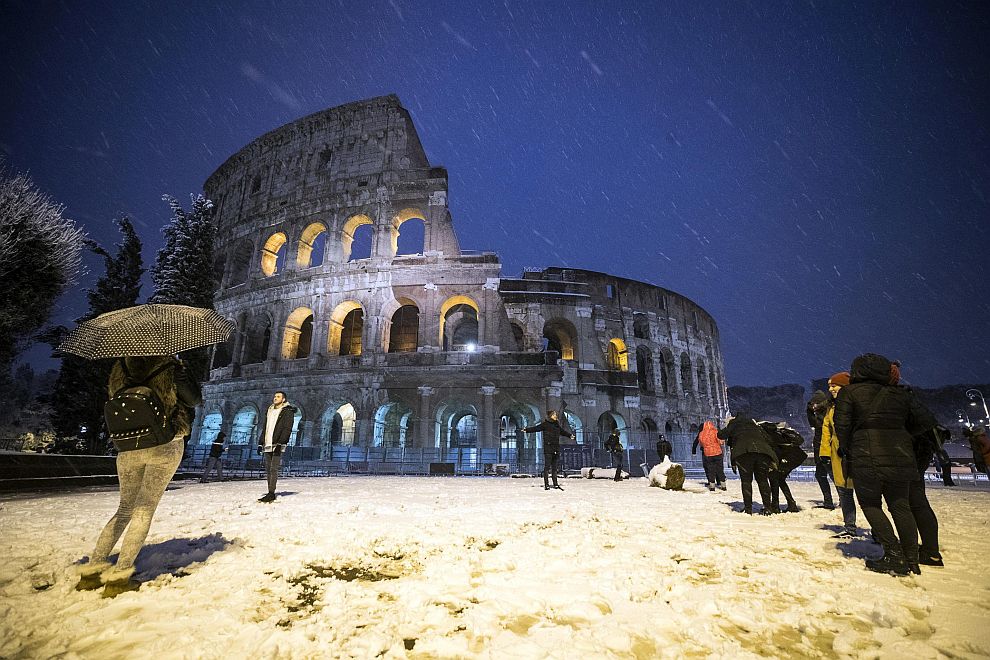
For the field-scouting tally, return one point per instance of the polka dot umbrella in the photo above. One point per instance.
(147, 330)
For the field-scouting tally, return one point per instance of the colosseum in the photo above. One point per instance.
(351, 293)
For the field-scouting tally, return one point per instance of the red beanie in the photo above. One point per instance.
(841, 379)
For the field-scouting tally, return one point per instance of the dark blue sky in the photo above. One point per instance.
(813, 174)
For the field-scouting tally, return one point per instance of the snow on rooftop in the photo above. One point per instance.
(484, 567)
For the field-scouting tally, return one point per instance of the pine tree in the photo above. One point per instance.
(80, 391)
(184, 271)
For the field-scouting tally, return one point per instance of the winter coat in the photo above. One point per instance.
(980, 444)
(707, 438)
(744, 437)
(876, 422)
(830, 449)
(612, 444)
(786, 443)
(175, 387)
(551, 434)
(217, 448)
(817, 408)
(282, 432)
(664, 448)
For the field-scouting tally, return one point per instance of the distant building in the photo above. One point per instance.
(425, 345)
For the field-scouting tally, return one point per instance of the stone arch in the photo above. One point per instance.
(561, 336)
(641, 326)
(312, 246)
(212, 423)
(347, 233)
(338, 425)
(644, 369)
(273, 254)
(394, 425)
(403, 334)
(607, 422)
(513, 418)
(686, 376)
(577, 426)
(297, 335)
(244, 429)
(258, 339)
(297, 417)
(617, 355)
(346, 329)
(667, 384)
(223, 353)
(239, 262)
(400, 219)
(518, 335)
(457, 425)
(459, 323)
(648, 429)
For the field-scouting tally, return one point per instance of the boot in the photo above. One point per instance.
(546, 486)
(119, 580)
(792, 506)
(892, 562)
(89, 582)
(711, 488)
(558, 487)
(930, 558)
(270, 497)
(748, 510)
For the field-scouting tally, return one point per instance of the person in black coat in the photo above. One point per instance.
(275, 434)
(786, 445)
(753, 456)
(664, 448)
(875, 423)
(817, 407)
(551, 430)
(614, 447)
(216, 458)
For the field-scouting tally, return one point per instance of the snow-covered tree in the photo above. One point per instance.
(184, 271)
(39, 258)
(80, 391)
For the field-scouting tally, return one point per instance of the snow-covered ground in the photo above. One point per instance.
(484, 567)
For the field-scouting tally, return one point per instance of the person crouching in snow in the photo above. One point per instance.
(551, 430)
(711, 455)
(753, 456)
(828, 454)
(143, 473)
(876, 422)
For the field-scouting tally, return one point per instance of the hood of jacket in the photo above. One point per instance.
(870, 367)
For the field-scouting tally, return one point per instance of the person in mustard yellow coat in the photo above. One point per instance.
(828, 452)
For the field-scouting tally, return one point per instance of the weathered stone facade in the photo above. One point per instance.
(433, 348)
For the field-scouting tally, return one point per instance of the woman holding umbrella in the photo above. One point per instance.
(146, 338)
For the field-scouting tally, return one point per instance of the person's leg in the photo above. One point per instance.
(130, 474)
(821, 476)
(554, 467)
(719, 466)
(206, 470)
(546, 470)
(220, 469)
(897, 496)
(869, 492)
(618, 466)
(709, 471)
(274, 464)
(761, 471)
(925, 518)
(744, 464)
(158, 472)
(848, 506)
(792, 505)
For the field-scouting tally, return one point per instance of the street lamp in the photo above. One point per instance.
(971, 394)
(963, 414)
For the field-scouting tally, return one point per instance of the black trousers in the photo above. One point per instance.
(617, 459)
(273, 462)
(924, 517)
(714, 469)
(551, 462)
(754, 465)
(871, 491)
(822, 473)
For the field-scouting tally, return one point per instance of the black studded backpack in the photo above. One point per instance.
(135, 416)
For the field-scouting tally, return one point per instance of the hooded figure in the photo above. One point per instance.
(875, 423)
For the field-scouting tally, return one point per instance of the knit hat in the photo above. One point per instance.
(841, 379)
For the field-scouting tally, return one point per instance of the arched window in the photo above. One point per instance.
(312, 246)
(409, 231)
(258, 341)
(519, 336)
(403, 337)
(460, 328)
(561, 336)
(294, 436)
(641, 326)
(337, 426)
(686, 383)
(239, 262)
(354, 244)
(351, 331)
(211, 427)
(702, 381)
(297, 337)
(393, 426)
(223, 353)
(609, 422)
(644, 369)
(243, 430)
(273, 255)
(617, 356)
(664, 375)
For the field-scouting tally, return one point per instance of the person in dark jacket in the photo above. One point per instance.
(786, 443)
(979, 443)
(817, 407)
(664, 448)
(875, 423)
(753, 456)
(216, 458)
(551, 430)
(614, 447)
(274, 439)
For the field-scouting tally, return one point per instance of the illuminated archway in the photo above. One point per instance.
(617, 355)
(347, 233)
(273, 254)
(312, 246)
(459, 323)
(346, 328)
(403, 335)
(393, 426)
(337, 426)
(297, 336)
(416, 246)
(243, 430)
(561, 336)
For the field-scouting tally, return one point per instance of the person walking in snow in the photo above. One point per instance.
(274, 439)
(818, 406)
(551, 430)
(875, 423)
(614, 447)
(215, 459)
(664, 448)
(753, 456)
(828, 454)
(711, 455)
(143, 473)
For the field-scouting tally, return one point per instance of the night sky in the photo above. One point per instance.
(814, 174)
